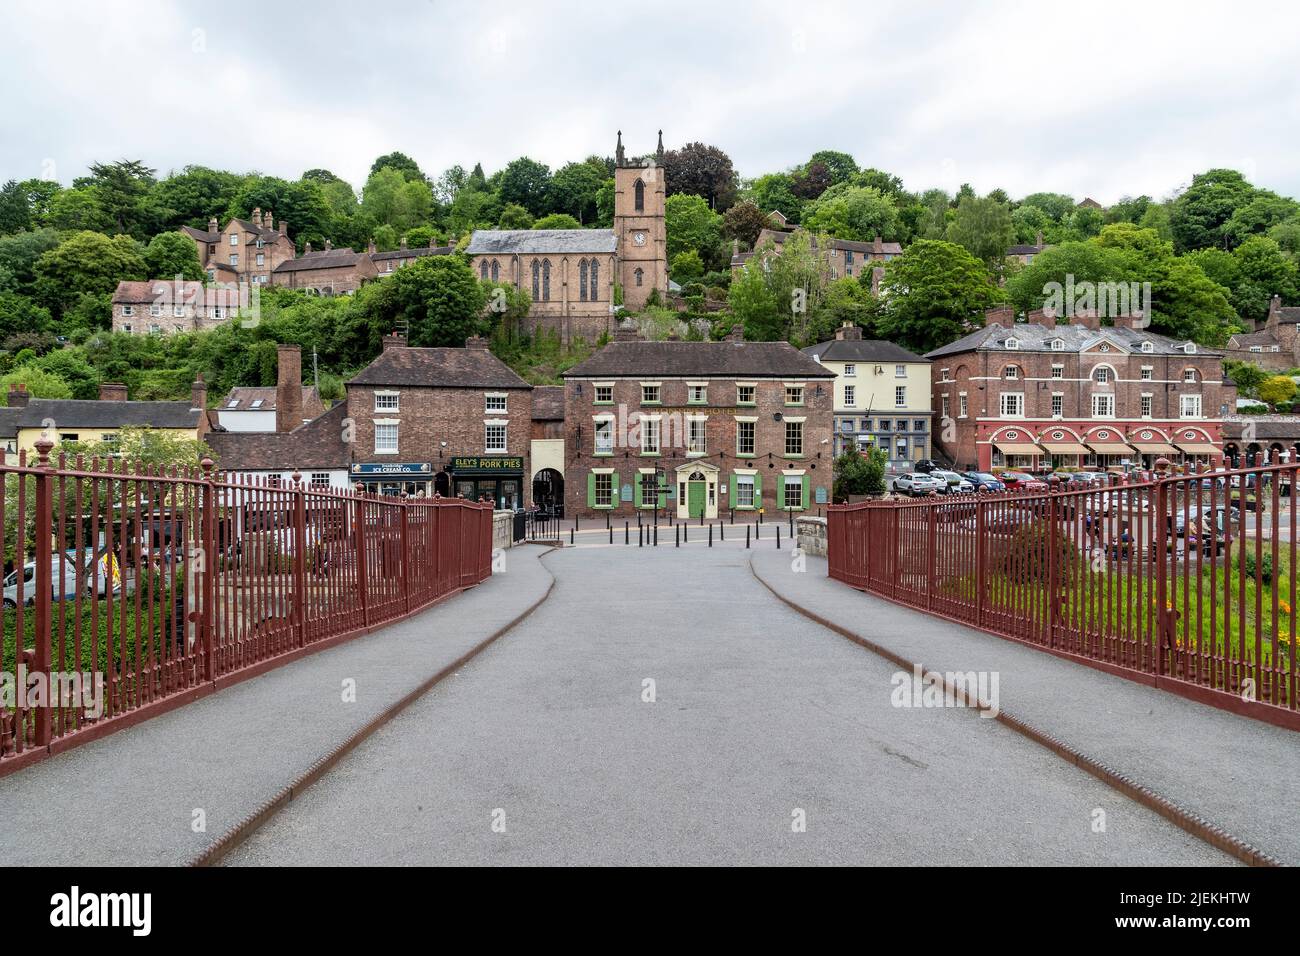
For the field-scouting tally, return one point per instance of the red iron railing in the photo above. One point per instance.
(156, 586)
(1187, 582)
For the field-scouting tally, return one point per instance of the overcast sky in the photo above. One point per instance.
(1093, 99)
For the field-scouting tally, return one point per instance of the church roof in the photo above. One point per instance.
(488, 242)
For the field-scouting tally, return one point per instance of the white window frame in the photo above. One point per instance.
(1008, 399)
(489, 397)
(850, 397)
(1197, 405)
(383, 427)
(900, 396)
(650, 439)
(491, 425)
(1103, 400)
(382, 399)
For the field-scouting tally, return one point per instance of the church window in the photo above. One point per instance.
(536, 272)
(640, 196)
(595, 272)
(483, 270)
(546, 280)
(496, 270)
(582, 280)
(639, 275)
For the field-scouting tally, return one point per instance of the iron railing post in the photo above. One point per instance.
(207, 597)
(981, 568)
(1053, 505)
(44, 584)
(359, 536)
(1160, 540)
(405, 565)
(300, 558)
(931, 547)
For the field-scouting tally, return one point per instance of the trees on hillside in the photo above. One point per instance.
(933, 293)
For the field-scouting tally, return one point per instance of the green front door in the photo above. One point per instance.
(695, 491)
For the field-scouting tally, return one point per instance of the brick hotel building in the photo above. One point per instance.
(1025, 395)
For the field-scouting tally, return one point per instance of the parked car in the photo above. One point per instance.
(983, 481)
(1020, 481)
(925, 466)
(914, 483)
(1116, 502)
(1002, 521)
(953, 483)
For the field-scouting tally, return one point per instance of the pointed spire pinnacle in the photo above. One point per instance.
(659, 152)
(618, 151)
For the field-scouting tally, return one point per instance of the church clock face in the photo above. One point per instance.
(638, 238)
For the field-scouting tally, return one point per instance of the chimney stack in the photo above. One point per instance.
(878, 247)
(476, 342)
(877, 273)
(269, 220)
(284, 229)
(737, 333)
(1003, 317)
(1126, 321)
(1088, 319)
(257, 216)
(288, 387)
(848, 332)
(1038, 240)
(212, 224)
(306, 251)
(328, 245)
(402, 245)
(396, 340)
(108, 392)
(627, 333)
(433, 242)
(18, 395)
(198, 393)
(371, 248)
(735, 248)
(1044, 317)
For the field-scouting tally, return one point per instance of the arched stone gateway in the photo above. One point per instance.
(548, 491)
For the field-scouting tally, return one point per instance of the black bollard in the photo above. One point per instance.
(627, 539)
(778, 537)
(640, 537)
(678, 536)
(710, 536)
(746, 536)
(611, 530)
(656, 536)
(685, 532)
(571, 530)
(722, 532)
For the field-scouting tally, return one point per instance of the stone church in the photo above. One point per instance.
(573, 274)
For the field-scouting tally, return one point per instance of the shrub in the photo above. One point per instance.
(1265, 566)
(1024, 556)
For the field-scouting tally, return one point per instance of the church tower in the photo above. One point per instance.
(642, 240)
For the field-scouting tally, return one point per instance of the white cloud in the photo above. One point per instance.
(1100, 100)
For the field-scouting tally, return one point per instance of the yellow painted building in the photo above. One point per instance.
(27, 420)
(882, 396)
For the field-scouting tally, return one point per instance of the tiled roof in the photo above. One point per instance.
(1024, 250)
(1289, 315)
(1266, 426)
(1075, 338)
(317, 445)
(80, 413)
(168, 292)
(9, 421)
(413, 252)
(321, 259)
(548, 403)
(245, 396)
(778, 236)
(1253, 338)
(701, 359)
(862, 350)
(266, 235)
(201, 235)
(540, 241)
(438, 368)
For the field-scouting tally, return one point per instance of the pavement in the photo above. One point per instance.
(663, 707)
(1238, 773)
(138, 796)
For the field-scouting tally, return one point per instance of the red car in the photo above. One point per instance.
(1019, 481)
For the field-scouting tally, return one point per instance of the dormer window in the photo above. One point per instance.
(1148, 347)
(1058, 345)
(1190, 348)
(1012, 343)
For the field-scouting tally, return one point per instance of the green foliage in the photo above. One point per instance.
(1199, 216)
(558, 220)
(686, 267)
(437, 298)
(169, 254)
(846, 211)
(858, 473)
(1264, 569)
(515, 216)
(1276, 390)
(87, 263)
(40, 384)
(983, 228)
(699, 169)
(744, 221)
(933, 293)
(753, 306)
(527, 183)
(1247, 376)
(692, 225)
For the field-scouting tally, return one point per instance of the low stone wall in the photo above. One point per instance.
(503, 530)
(811, 533)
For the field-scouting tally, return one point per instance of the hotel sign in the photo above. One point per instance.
(486, 465)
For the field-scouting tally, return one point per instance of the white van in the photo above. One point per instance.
(65, 590)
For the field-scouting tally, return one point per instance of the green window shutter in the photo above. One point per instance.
(663, 495)
(780, 492)
(591, 490)
(636, 494)
(804, 499)
(733, 491)
(758, 490)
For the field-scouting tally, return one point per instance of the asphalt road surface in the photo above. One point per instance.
(769, 740)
